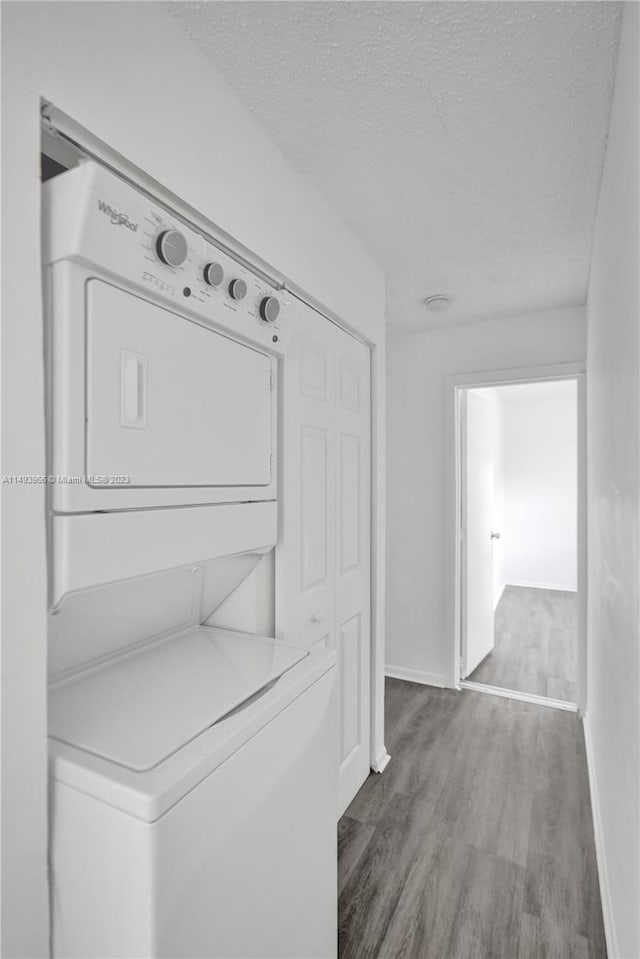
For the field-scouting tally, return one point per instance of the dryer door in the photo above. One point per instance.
(171, 403)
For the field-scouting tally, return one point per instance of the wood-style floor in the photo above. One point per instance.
(535, 650)
(476, 842)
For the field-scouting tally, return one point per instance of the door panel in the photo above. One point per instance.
(314, 507)
(305, 568)
(478, 498)
(353, 562)
(313, 369)
(323, 557)
(350, 669)
(350, 487)
(349, 387)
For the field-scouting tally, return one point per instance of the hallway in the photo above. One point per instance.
(535, 650)
(477, 841)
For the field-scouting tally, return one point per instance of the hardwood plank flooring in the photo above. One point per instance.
(476, 842)
(535, 644)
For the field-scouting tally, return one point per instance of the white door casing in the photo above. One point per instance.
(323, 562)
(455, 387)
(478, 510)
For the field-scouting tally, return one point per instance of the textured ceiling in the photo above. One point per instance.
(462, 142)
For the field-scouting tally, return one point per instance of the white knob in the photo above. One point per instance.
(237, 289)
(172, 248)
(269, 309)
(213, 274)
(317, 617)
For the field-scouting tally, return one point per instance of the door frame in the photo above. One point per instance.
(454, 386)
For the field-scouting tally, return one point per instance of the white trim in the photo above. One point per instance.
(377, 548)
(381, 761)
(583, 575)
(415, 676)
(518, 374)
(453, 527)
(520, 697)
(601, 857)
(455, 384)
(528, 585)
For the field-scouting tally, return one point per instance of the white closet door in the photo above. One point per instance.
(323, 556)
(353, 561)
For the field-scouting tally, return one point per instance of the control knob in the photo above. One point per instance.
(269, 309)
(237, 289)
(213, 274)
(172, 248)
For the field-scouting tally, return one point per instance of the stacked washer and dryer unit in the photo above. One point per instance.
(192, 768)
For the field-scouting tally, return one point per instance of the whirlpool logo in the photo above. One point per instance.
(117, 218)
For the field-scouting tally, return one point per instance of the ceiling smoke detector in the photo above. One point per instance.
(437, 303)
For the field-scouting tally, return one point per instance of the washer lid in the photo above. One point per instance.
(139, 710)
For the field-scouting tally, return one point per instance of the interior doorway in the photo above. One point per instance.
(520, 535)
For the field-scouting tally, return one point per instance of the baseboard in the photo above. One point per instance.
(601, 857)
(519, 696)
(381, 761)
(530, 585)
(415, 676)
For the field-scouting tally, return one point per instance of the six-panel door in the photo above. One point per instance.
(323, 558)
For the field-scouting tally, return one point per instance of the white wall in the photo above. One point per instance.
(127, 73)
(540, 463)
(417, 640)
(612, 719)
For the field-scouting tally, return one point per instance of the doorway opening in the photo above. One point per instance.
(520, 534)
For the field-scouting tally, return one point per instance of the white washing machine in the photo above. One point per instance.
(192, 769)
(176, 832)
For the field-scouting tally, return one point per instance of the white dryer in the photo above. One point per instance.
(192, 769)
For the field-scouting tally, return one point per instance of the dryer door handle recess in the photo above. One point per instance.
(133, 390)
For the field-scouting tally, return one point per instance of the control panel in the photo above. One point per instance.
(124, 234)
